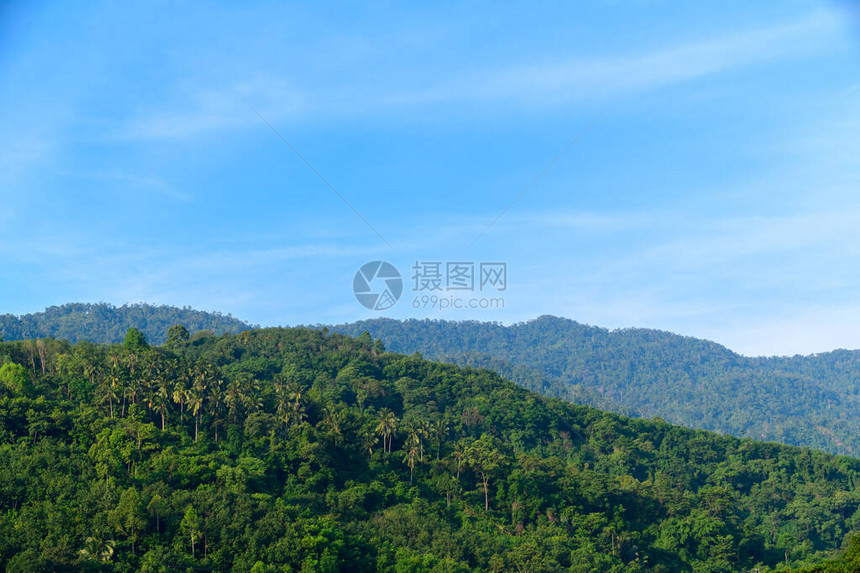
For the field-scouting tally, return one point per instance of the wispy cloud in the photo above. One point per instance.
(194, 111)
(148, 184)
(206, 107)
(603, 76)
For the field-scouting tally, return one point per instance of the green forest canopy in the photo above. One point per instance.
(105, 323)
(802, 400)
(303, 450)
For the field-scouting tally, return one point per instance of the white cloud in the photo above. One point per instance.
(599, 77)
(207, 107)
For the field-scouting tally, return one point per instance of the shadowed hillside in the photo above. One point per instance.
(803, 400)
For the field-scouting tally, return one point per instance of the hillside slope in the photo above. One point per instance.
(301, 450)
(804, 400)
(105, 323)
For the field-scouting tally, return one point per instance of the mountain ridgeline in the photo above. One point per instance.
(105, 323)
(803, 400)
(306, 450)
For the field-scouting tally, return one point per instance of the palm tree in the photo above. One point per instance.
(97, 548)
(133, 383)
(368, 440)
(163, 397)
(180, 396)
(409, 458)
(331, 419)
(91, 370)
(297, 408)
(460, 453)
(151, 396)
(201, 379)
(282, 402)
(233, 399)
(216, 407)
(195, 405)
(169, 368)
(386, 427)
(115, 382)
(114, 360)
(284, 416)
(250, 395)
(438, 430)
(110, 391)
(413, 434)
(134, 388)
(423, 430)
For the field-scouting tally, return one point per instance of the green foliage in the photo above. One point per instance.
(135, 339)
(16, 379)
(105, 323)
(177, 334)
(802, 400)
(301, 450)
(848, 562)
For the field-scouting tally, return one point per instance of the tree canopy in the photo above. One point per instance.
(304, 450)
(105, 323)
(802, 400)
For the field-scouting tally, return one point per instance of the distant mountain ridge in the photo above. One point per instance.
(801, 400)
(106, 323)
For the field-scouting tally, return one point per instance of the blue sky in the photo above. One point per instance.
(716, 196)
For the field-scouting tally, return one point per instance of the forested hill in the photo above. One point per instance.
(301, 450)
(804, 400)
(105, 323)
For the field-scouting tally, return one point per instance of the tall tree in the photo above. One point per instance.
(190, 524)
(484, 457)
(410, 456)
(386, 426)
(439, 430)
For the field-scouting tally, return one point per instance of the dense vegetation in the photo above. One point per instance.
(803, 400)
(105, 323)
(301, 450)
(848, 562)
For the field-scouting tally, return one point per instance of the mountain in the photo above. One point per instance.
(305, 450)
(802, 400)
(105, 323)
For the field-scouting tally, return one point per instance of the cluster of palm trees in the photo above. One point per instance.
(162, 383)
(289, 403)
(415, 431)
(165, 385)
(480, 454)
